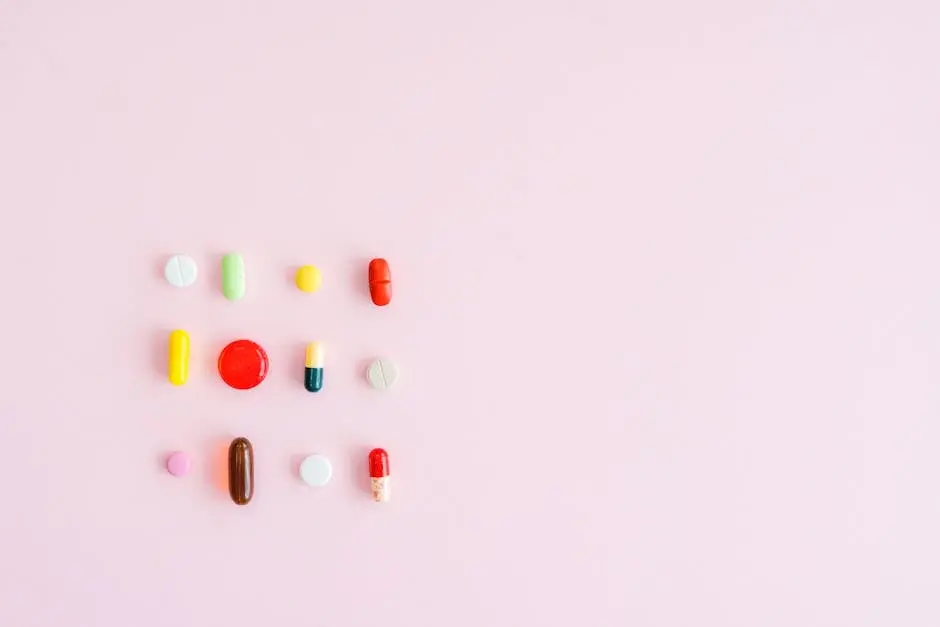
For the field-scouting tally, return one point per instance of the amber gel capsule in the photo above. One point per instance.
(241, 471)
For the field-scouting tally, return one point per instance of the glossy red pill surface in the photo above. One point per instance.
(243, 364)
(380, 282)
(378, 463)
(379, 473)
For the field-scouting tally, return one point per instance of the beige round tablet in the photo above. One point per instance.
(382, 373)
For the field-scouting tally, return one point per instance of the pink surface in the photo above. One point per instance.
(666, 308)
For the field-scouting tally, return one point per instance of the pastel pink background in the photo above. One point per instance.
(666, 305)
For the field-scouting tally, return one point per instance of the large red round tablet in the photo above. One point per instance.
(243, 364)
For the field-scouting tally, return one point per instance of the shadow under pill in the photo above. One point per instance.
(215, 274)
(295, 462)
(298, 364)
(291, 276)
(159, 352)
(362, 371)
(359, 277)
(211, 360)
(357, 465)
(159, 268)
(217, 468)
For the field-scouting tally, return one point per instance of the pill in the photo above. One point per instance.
(316, 470)
(379, 473)
(308, 278)
(179, 357)
(243, 364)
(382, 373)
(313, 367)
(241, 471)
(177, 464)
(233, 276)
(180, 271)
(380, 282)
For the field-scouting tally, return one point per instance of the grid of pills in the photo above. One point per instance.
(243, 364)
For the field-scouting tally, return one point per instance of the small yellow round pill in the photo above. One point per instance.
(308, 278)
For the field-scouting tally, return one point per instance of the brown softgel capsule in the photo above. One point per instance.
(241, 471)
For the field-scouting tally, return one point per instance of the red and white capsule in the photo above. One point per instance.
(378, 471)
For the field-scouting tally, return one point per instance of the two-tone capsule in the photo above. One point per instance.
(379, 473)
(241, 471)
(178, 358)
(313, 367)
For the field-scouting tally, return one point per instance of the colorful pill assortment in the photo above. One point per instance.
(243, 364)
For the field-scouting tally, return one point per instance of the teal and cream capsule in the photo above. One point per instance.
(313, 371)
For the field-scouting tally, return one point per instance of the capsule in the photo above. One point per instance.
(179, 357)
(233, 276)
(378, 471)
(313, 367)
(380, 282)
(241, 471)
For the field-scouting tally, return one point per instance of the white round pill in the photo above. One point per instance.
(180, 271)
(382, 373)
(316, 470)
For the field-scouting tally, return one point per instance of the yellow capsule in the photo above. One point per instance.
(179, 357)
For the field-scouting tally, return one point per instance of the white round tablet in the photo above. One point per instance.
(382, 373)
(180, 271)
(316, 470)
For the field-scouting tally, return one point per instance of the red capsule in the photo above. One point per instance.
(380, 282)
(378, 471)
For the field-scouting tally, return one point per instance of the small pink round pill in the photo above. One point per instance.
(177, 464)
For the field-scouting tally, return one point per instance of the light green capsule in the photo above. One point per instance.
(233, 276)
